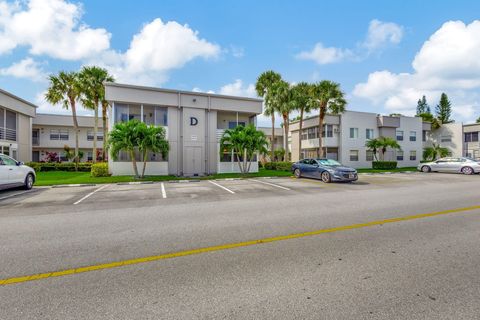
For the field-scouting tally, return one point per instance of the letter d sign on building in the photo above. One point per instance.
(193, 121)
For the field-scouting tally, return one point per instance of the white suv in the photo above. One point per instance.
(15, 174)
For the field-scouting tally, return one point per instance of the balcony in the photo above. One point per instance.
(220, 134)
(387, 121)
(8, 134)
(35, 141)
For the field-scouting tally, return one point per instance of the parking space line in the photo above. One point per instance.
(220, 186)
(271, 184)
(91, 193)
(164, 193)
(15, 194)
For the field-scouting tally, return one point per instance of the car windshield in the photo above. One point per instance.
(328, 162)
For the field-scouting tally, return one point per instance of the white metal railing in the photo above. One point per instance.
(8, 134)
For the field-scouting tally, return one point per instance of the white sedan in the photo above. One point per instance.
(458, 165)
(15, 174)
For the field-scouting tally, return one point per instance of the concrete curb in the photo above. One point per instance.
(71, 185)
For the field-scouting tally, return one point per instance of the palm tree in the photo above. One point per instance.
(65, 89)
(327, 97)
(152, 140)
(386, 142)
(281, 95)
(264, 89)
(374, 145)
(302, 102)
(434, 152)
(245, 142)
(93, 92)
(125, 136)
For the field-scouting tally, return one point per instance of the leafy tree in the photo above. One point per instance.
(93, 92)
(478, 120)
(302, 102)
(279, 154)
(326, 97)
(434, 152)
(69, 154)
(428, 117)
(65, 89)
(422, 106)
(444, 109)
(245, 142)
(386, 142)
(263, 87)
(152, 139)
(374, 145)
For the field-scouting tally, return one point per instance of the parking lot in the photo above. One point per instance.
(123, 195)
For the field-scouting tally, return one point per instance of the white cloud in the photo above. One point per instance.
(26, 68)
(158, 48)
(237, 52)
(45, 107)
(381, 34)
(447, 62)
(49, 27)
(237, 88)
(325, 55)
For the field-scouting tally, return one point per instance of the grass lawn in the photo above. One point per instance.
(50, 178)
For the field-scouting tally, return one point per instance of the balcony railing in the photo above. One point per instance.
(35, 141)
(8, 134)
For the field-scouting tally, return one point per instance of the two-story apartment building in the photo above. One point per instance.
(52, 132)
(16, 126)
(194, 123)
(471, 143)
(345, 136)
(278, 143)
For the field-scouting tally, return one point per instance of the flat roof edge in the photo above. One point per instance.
(11, 95)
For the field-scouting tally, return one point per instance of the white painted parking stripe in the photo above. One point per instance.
(91, 193)
(271, 184)
(15, 194)
(220, 186)
(164, 193)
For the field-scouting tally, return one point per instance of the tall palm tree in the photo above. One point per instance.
(327, 97)
(263, 87)
(282, 97)
(387, 142)
(153, 139)
(65, 89)
(302, 102)
(93, 92)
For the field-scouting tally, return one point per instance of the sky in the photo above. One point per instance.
(384, 54)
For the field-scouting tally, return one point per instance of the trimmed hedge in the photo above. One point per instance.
(280, 166)
(384, 165)
(100, 170)
(59, 166)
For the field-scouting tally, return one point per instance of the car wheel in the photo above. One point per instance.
(29, 182)
(426, 169)
(467, 170)
(297, 173)
(326, 177)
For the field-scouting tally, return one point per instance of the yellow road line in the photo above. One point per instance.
(225, 247)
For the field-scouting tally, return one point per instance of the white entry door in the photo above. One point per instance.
(193, 161)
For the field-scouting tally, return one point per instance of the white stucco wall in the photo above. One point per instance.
(126, 168)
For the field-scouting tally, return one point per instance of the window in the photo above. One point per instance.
(121, 113)
(424, 135)
(354, 133)
(399, 155)
(353, 155)
(89, 156)
(8, 161)
(59, 134)
(471, 137)
(329, 130)
(304, 134)
(369, 155)
(399, 135)
(312, 133)
(8, 125)
(413, 155)
(413, 136)
(369, 133)
(233, 124)
(161, 116)
(446, 138)
(90, 135)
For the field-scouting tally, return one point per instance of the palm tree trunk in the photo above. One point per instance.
(300, 134)
(95, 131)
(75, 127)
(321, 118)
(105, 129)
(244, 160)
(272, 147)
(144, 163)
(285, 133)
(134, 162)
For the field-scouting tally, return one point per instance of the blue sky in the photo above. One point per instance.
(385, 54)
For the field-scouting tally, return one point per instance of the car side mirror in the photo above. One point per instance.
(19, 163)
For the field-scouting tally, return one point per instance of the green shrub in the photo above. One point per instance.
(100, 170)
(279, 166)
(60, 166)
(384, 165)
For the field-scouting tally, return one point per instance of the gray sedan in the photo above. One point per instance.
(456, 165)
(325, 169)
